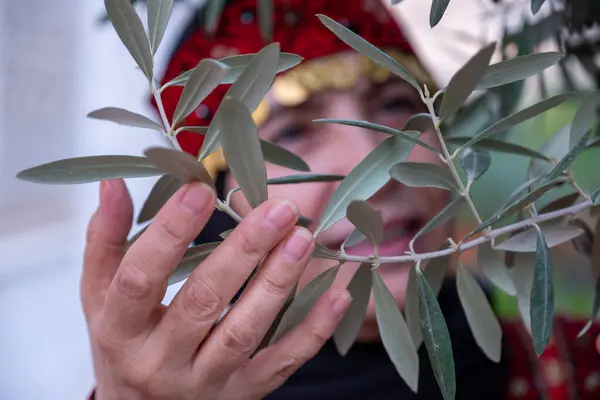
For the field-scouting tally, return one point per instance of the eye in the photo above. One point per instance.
(397, 103)
(290, 133)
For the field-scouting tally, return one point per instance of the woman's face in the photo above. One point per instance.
(337, 149)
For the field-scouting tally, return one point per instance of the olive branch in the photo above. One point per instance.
(234, 131)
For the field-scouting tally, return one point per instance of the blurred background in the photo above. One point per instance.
(58, 62)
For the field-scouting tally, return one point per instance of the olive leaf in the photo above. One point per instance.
(161, 192)
(496, 145)
(265, 18)
(582, 120)
(89, 169)
(595, 142)
(519, 117)
(125, 117)
(213, 13)
(438, 8)
(536, 5)
(555, 148)
(354, 238)
(205, 77)
(367, 220)
(323, 252)
(225, 234)
(583, 244)
(523, 280)
(435, 272)
(130, 30)
(420, 122)
(411, 309)
(179, 164)
(250, 87)
(542, 295)
(555, 234)
(423, 174)
(300, 178)
(493, 268)
(360, 290)
(379, 128)
(280, 156)
(395, 335)
(159, 12)
(595, 266)
(191, 259)
(560, 203)
(521, 190)
(242, 150)
(480, 316)
(568, 160)
(596, 197)
(517, 205)
(465, 81)
(236, 66)
(518, 68)
(304, 301)
(368, 50)
(370, 175)
(451, 210)
(475, 162)
(436, 338)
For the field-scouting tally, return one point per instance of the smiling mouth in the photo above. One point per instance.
(395, 241)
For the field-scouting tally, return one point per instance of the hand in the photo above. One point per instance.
(145, 350)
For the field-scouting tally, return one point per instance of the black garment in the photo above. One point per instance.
(366, 372)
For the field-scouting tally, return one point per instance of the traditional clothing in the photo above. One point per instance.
(569, 369)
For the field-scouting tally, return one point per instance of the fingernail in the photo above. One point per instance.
(297, 246)
(195, 199)
(280, 215)
(341, 303)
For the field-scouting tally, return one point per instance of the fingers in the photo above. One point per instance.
(240, 333)
(140, 283)
(213, 284)
(272, 366)
(106, 238)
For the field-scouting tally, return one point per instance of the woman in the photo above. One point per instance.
(144, 350)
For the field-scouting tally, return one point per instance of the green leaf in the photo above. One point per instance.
(583, 118)
(242, 151)
(159, 12)
(556, 147)
(125, 117)
(423, 174)
(89, 169)
(301, 178)
(205, 77)
(213, 14)
(323, 252)
(179, 164)
(161, 192)
(480, 316)
(595, 142)
(536, 5)
(596, 197)
(517, 205)
(395, 334)
(438, 8)
(353, 239)
(595, 261)
(411, 309)
(265, 18)
(367, 220)
(370, 175)
(554, 233)
(225, 234)
(191, 259)
(304, 301)
(518, 68)
(568, 160)
(368, 50)
(379, 128)
(475, 162)
(236, 66)
(360, 291)
(446, 214)
(520, 117)
(435, 273)
(130, 30)
(542, 296)
(465, 81)
(420, 122)
(523, 280)
(560, 203)
(497, 145)
(493, 268)
(280, 156)
(436, 338)
(250, 88)
(521, 190)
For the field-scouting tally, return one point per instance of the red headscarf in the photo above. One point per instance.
(295, 27)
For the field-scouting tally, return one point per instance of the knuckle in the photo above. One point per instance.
(240, 338)
(133, 283)
(139, 377)
(277, 285)
(319, 334)
(202, 301)
(250, 245)
(171, 234)
(286, 369)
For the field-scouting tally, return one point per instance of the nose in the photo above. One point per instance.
(350, 144)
